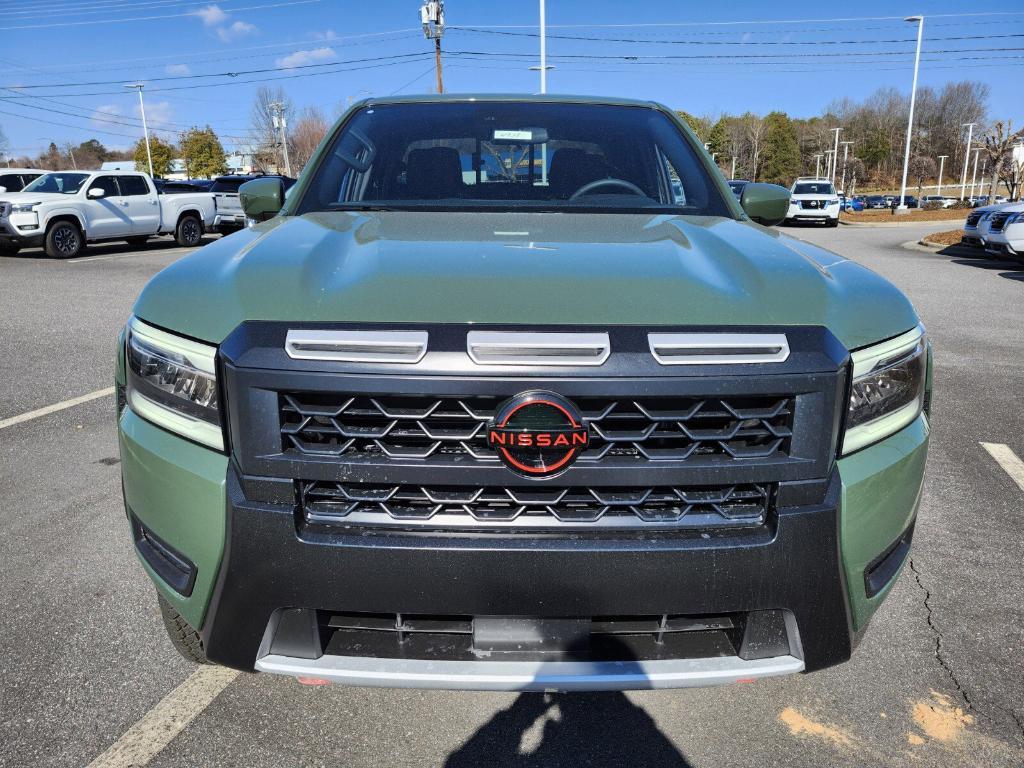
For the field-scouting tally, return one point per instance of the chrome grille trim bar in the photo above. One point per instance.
(357, 346)
(530, 675)
(528, 348)
(718, 348)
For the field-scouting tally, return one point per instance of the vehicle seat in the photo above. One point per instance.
(433, 174)
(572, 168)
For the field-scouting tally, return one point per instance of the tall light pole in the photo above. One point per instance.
(910, 120)
(732, 174)
(432, 19)
(942, 162)
(145, 128)
(974, 173)
(846, 152)
(817, 166)
(835, 156)
(967, 157)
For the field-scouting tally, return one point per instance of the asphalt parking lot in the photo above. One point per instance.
(85, 666)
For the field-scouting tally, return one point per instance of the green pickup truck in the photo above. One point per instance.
(512, 393)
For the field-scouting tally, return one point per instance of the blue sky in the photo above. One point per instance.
(64, 61)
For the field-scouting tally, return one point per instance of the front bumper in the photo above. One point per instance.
(228, 221)
(252, 562)
(25, 234)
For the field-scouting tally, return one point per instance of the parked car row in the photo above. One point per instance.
(998, 229)
(64, 211)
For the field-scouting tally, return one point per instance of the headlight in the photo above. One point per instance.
(888, 389)
(172, 382)
(23, 207)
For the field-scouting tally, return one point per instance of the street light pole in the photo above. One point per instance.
(732, 174)
(910, 120)
(974, 173)
(145, 128)
(846, 152)
(817, 166)
(967, 157)
(835, 156)
(942, 162)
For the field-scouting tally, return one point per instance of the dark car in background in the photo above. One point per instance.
(875, 201)
(909, 200)
(230, 217)
(166, 187)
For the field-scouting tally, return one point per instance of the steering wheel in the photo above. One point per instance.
(609, 182)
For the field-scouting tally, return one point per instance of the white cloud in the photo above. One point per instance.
(211, 15)
(327, 34)
(101, 116)
(177, 69)
(235, 31)
(158, 113)
(304, 58)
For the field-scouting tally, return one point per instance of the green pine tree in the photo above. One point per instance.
(163, 154)
(781, 150)
(203, 153)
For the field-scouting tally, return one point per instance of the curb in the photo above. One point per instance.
(892, 224)
(923, 247)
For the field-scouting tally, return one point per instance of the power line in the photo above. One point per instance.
(152, 18)
(724, 42)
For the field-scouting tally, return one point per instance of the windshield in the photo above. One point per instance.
(227, 185)
(64, 183)
(510, 157)
(814, 188)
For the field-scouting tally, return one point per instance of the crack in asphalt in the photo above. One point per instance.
(939, 656)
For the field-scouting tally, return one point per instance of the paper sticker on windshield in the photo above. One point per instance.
(526, 136)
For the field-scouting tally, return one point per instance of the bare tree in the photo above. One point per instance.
(306, 134)
(998, 149)
(922, 167)
(266, 138)
(753, 130)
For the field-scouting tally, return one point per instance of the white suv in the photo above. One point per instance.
(1005, 237)
(813, 200)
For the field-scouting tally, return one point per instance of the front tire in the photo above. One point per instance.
(9, 249)
(832, 223)
(189, 232)
(185, 640)
(64, 241)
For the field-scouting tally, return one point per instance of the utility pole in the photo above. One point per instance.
(432, 19)
(835, 156)
(145, 128)
(967, 157)
(817, 166)
(732, 174)
(942, 162)
(846, 152)
(74, 163)
(910, 120)
(281, 123)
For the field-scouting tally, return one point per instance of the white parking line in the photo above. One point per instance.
(148, 737)
(132, 255)
(1008, 460)
(10, 422)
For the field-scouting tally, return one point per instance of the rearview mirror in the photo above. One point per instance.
(95, 193)
(766, 204)
(261, 198)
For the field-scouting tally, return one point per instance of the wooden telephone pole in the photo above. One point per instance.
(432, 19)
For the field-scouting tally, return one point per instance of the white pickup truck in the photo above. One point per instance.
(64, 210)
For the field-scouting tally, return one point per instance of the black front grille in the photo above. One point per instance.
(532, 508)
(999, 221)
(645, 430)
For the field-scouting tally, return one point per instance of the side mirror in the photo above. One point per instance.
(766, 204)
(261, 199)
(95, 193)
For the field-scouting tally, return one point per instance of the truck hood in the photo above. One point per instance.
(521, 269)
(35, 197)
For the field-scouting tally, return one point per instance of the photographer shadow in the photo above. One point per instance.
(546, 730)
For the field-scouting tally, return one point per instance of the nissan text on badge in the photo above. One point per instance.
(514, 393)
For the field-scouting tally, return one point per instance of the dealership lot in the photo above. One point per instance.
(86, 664)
